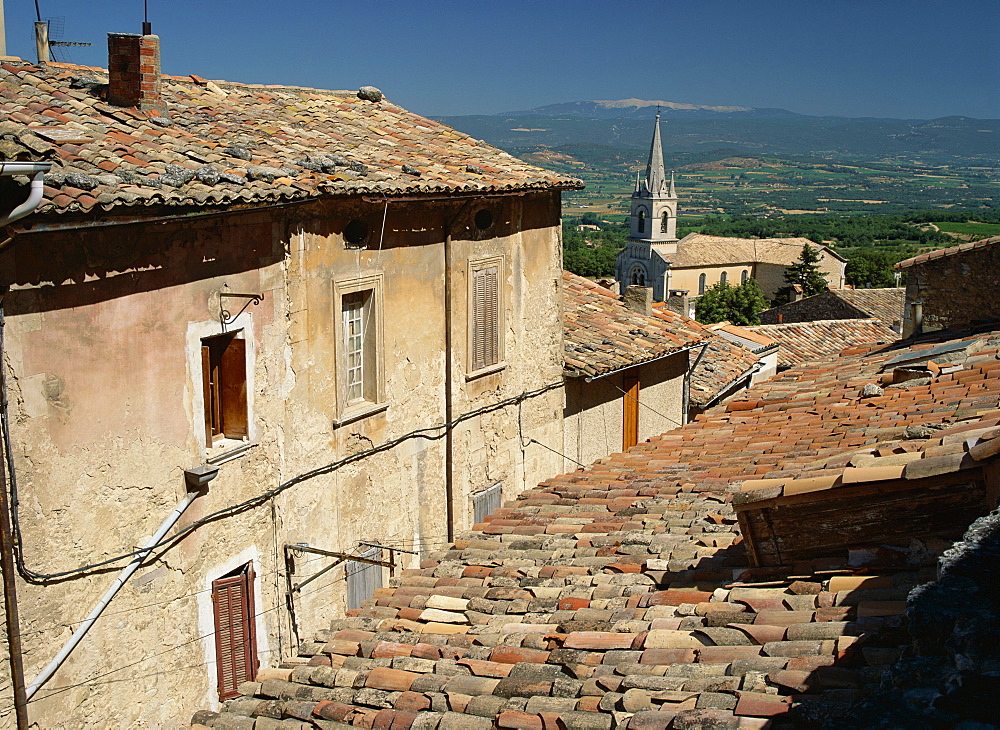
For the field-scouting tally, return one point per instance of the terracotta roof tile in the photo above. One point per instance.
(278, 143)
(699, 249)
(804, 341)
(601, 334)
(950, 251)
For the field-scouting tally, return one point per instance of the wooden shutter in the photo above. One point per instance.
(233, 377)
(485, 318)
(206, 377)
(235, 631)
(630, 407)
(363, 579)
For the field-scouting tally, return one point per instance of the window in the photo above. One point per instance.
(363, 578)
(486, 314)
(359, 345)
(638, 276)
(744, 276)
(224, 381)
(664, 222)
(235, 630)
(701, 285)
(641, 225)
(485, 502)
(723, 277)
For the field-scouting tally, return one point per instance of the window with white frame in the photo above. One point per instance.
(360, 354)
(485, 310)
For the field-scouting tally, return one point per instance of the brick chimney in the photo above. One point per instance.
(134, 71)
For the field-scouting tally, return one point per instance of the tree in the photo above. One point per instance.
(804, 272)
(737, 304)
(871, 268)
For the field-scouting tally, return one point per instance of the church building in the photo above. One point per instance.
(654, 257)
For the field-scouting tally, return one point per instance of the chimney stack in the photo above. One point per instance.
(639, 299)
(134, 71)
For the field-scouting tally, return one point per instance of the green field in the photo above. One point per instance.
(971, 229)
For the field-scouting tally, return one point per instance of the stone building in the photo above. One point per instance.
(303, 320)
(627, 368)
(654, 257)
(886, 305)
(952, 287)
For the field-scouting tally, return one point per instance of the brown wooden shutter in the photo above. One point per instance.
(206, 377)
(486, 318)
(630, 408)
(235, 631)
(233, 376)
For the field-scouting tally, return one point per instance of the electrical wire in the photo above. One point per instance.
(431, 433)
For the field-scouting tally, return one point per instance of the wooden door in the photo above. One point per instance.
(630, 411)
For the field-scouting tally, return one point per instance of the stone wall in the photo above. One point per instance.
(811, 309)
(103, 337)
(953, 291)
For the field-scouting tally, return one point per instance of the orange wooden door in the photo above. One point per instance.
(630, 411)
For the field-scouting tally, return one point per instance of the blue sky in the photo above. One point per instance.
(888, 58)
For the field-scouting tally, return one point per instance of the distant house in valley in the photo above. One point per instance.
(886, 305)
(654, 257)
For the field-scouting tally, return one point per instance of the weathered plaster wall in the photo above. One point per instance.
(688, 278)
(103, 326)
(594, 411)
(951, 290)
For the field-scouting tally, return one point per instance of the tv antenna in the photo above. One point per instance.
(47, 30)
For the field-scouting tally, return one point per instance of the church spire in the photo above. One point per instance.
(655, 175)
(673, 191)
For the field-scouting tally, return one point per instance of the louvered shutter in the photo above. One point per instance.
(233, 377)
(485, 315)
(235, 635)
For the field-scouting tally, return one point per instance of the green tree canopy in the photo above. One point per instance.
(804, 272)
(870, 267)
(737, 304)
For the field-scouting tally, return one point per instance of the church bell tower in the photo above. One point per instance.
(653, 215)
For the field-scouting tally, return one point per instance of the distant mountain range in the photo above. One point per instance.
(645, 108)
(623, 127)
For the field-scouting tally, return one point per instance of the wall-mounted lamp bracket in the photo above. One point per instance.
(225, 318)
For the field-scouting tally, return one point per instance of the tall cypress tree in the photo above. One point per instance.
(804, 272)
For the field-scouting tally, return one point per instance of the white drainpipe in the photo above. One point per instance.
(133, 566)
(37, 170)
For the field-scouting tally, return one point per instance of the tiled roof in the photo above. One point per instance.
(698, 249)
(227, 143)
(619, 596)
(723, 365)
(804, 341)
(601, 334)
(883, 304)
(743, 335)
(950, 251)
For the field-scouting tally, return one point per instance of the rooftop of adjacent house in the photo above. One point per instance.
(724, 365)
(883, 304)
(619, 596)
(699, 249)
(223, 144)
(950, 251)
(746, 336)
(804, 341)
(601, 334)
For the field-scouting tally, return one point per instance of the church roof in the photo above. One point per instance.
(698, 249)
